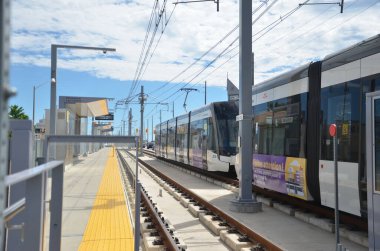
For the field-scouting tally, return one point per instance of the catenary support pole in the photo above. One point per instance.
(205, 92)
(152, 128)
(245, 202)
(130, 122)
(141, 119)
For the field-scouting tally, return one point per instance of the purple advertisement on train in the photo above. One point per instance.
(269, 172)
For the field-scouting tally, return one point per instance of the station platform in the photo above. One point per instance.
(95, 215)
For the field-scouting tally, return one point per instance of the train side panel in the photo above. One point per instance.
(182, 139)
(279, 129)
(199, 123)
(164, 138)
(171, 137)
(343, 102)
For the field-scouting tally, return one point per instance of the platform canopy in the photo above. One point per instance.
(85, 106)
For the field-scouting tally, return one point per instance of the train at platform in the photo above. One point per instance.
(292, 148)
(204, 138)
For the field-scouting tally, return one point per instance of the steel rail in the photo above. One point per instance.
(309, 206)
(165, 235)
(164, 232)
(243, 229)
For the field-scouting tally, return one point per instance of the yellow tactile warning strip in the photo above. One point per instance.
(108, 227)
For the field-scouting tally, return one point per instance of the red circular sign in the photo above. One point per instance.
(332, 130)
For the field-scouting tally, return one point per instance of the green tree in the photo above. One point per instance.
(17, 112)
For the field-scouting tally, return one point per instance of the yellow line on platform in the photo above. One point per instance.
(108, 227)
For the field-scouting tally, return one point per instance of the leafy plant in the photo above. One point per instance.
(17, 112)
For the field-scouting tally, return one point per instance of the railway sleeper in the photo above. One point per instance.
(214, 226)
(235, 241)
(195, 210)
(186, 201)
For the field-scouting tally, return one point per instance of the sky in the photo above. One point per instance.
(193, 43)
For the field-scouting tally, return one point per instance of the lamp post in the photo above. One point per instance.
(35, 87)
(53, 68)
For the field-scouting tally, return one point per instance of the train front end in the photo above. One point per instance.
(226, 129)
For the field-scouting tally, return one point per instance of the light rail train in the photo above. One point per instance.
(292, 149)
(204, 138)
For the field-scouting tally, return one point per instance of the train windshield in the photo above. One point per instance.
(225, 114)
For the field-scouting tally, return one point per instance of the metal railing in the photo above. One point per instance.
(33, 203)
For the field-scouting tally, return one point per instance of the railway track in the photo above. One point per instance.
(150, 215)
(231, 226)
(352, 222)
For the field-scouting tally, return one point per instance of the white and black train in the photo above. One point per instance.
(292, 149)
(204, 138)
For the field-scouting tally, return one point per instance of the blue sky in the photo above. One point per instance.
(310, 33)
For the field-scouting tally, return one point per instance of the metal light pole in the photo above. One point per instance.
(53, 90)
(245, 202)
(34, 99)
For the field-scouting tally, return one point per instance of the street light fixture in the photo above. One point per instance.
(35, 87)
(53, 90)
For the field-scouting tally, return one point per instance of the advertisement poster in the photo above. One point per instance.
(269, 172)
(295, 176)
(282, 174)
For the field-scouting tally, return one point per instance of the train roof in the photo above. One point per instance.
(196, 111)
(290, 76)
(360, 50)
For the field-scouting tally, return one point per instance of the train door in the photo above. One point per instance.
(373, 169)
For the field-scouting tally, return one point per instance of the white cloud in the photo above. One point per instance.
(311, 32)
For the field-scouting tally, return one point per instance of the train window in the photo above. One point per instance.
(340, 105)
(377, 144)
(278, 127)
(211, 136)
(263, 116)
(227, 127)
(181, 144)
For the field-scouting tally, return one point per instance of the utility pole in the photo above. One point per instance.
(141, 119)
(173, 109)
(34, 103)
(205, 92)
(245, 202)
(152, 128)
(130, 122)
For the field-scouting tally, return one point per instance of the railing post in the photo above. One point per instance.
(21, 157)
(34, 213)
(56, 208)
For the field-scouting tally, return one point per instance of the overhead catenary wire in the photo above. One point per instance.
(225, 52)
(336, 26)
(269, 29)
(221, 53)
(145, 52)
(207, 52)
